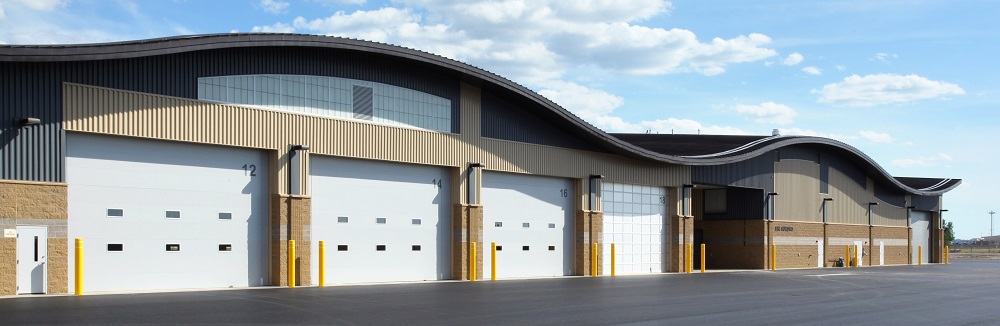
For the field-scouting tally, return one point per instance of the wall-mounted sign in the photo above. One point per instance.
(784, 228)
(10, 233)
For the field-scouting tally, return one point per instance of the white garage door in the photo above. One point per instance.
(635, 221)
(920, 221)
(166, 215)
(381, 222)
(531, 220)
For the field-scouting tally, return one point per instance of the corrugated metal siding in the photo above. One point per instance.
(34, 90)
(752, 173)
(110, 111)
(31, 153)
(799, 152)
(926, 203)
(850, 199)
(797, 184)
(502, 119)
(741, 204)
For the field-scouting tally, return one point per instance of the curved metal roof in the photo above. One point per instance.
(724, 149)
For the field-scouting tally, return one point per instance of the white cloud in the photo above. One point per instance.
(812, 70)
(538, 41)
(925, 161)
(808, 132)
(768, 112)
(597, 107)
(884, 57)
(876, 137)
(793, 59)
(276, 28)
(880, 89)
(273, 6)
(841, 68)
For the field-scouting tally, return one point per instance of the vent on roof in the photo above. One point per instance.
(775, 133)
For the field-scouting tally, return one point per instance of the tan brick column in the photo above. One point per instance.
(588, 227)
(291, 217)
(34, 203)
(467, 227)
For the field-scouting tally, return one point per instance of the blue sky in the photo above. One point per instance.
(911, 83)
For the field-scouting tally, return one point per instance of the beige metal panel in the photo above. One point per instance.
(110, 111)
(471, 104)
(850, 200)
(888, 215)
(797, 185)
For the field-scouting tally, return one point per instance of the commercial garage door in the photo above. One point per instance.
(635, 221)
(920, 222)
(531, 220)
(381, 222)
(166, 215)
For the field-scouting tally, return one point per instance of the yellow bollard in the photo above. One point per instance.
(946, 251)
(593, 260)
(774, 257)
(689, 261)
(79, 267)
(847, 255)
(322, 263)
(472, 262)
(493, 261)
(920, 255)
(702, 257)
(291, 263)
(612, 259)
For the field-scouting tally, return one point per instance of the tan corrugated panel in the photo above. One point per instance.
(850, 200)
(109, 111)
(797, 185)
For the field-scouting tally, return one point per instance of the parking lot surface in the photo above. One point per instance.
(961, 293)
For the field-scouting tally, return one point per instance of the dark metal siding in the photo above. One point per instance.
(741, 204)
(757, 172)
(889, 196)
(798, 152)
(824, 173)
(35, 89)
(521, 122)
(926, 203)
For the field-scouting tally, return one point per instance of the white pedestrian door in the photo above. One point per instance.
(819, 253)
(32, 248)
(859, 253)
(881, 253)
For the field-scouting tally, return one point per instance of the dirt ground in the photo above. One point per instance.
(974, 256)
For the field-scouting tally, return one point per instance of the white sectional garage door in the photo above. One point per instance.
(380, 221)
(166, 215)
(531, 220)
(635, 221)
(920, 222)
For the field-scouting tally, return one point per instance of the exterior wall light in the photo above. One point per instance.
(30, 121)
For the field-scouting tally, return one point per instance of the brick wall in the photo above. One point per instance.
(588, 227)
(895, 245)
(34, 203)
(290, 220)
(734, 244)
(797, 244)
(841, 235)
(467, 226)
(681, 233)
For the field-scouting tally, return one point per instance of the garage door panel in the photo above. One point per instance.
(920, 223)
(380, 201)
(544, 203)
(145, 179)
(635, 220)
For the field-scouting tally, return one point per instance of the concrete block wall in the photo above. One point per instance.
(681, 233)
(797, 244)
(841, 235)
(896, 240)
(735, 244)
(34, 203)
(290, 220)
(588, 227)
(467, 226)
